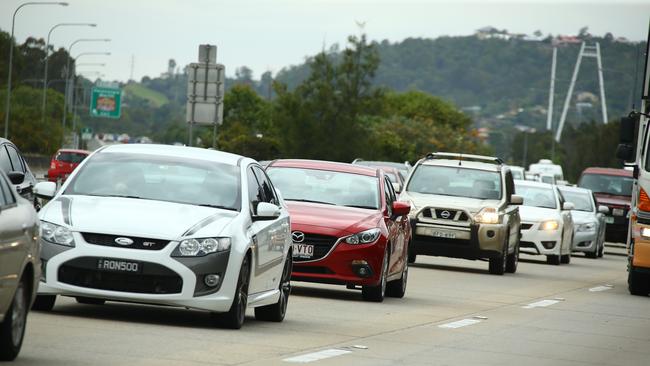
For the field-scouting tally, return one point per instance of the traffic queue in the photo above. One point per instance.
(214, 231)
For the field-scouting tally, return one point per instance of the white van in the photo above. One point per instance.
(544, 167)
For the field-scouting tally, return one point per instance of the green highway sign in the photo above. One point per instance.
(106, 102)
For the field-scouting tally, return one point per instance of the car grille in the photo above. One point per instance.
(154, 279)
(138, 243)
(322, 246)
(445, 214)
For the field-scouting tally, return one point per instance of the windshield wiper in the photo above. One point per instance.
(217, 206)
(310, 201)
(361, 206)
(122, 196)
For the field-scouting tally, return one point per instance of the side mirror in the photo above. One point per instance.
(603, 209)
(45, 190)
(401, 208)
(625, 152)
(628, 129)
(16, 177)
(397, 187)
(266, 211)
(516, 200)
(568, 206)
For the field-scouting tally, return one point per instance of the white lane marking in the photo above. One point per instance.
(600, 288)
(459, 323)
(316, 356)
(541, 304)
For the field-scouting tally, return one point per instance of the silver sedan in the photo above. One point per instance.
(589, 221)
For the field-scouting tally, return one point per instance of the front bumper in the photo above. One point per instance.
(165, 280)
(585, 241)
(540, 242)
(616, 232)
(468, 242)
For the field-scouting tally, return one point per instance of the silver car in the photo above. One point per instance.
(20, 266)
(589, 221)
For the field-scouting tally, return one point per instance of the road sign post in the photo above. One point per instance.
(205, 91)
(106, 102)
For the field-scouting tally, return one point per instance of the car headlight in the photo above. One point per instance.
(590, 226)
(549, 225)
(201, 246)
(487, 215)
(364, 237)
(56, 234)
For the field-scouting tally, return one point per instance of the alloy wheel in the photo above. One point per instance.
(19, 315)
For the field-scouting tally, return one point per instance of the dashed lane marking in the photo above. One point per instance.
(316, 356)
(459, 323)
(600, 288)
(541, 304)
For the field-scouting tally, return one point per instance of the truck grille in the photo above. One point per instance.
(431, 214)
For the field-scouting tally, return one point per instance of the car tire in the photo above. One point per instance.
(497, 266)
(90, 300)
(234, 318)
(412, 256)
(553, 259)
(276, 312)
(513, 260)
(601, 251)
(566, 258)
(12, 328)
(397, 288)
(638, 283)
(377, 293)
(44, 302)
(593, 254)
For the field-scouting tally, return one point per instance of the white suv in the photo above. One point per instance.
(167, 225)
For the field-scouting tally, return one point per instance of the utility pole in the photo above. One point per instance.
(551, 92)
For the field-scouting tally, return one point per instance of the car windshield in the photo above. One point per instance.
(456, 181)
(609, 184)
(324, 186)
(581, 200)
(160, 178)
(537, 196)
(70, 157)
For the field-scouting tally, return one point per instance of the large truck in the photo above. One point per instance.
(633, 149)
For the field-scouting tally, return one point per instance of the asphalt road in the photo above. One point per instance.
(454, 313)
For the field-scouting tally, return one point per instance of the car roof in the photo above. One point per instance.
(174, 151)
(530, 183)
(74, 151)
(325, 165)
(575, 189)
(462, 164)
(391, 164)
(608, 171)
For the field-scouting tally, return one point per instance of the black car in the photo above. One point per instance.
(16, 168)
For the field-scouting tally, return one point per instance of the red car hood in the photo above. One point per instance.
(330, 219)
(613, 200)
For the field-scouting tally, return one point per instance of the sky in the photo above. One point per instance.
(267, 35)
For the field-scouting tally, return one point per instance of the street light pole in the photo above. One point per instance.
(11, 57)
(47, 58)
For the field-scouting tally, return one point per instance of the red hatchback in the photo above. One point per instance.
(347, 226)
(64, 162)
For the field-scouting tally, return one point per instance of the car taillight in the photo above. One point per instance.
(644, 201)
(52, 165)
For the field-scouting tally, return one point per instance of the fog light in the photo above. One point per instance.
(211, 280)
(361, 268)
(490, 233)
(548, 244)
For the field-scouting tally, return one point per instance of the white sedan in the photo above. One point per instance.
(546, 222)
(167, 225)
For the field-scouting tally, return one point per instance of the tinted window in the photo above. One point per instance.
(510, 185)
(390, 196)
(254, 190)
(582, 201)
(324, 186)
(6, 197)
(70, 157)
(172, 179)
(608, 184)
(5, 164)
(16, 161)
(537, 196)
(458, 182)
(267, 187)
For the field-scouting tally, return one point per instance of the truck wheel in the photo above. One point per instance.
(498, 265)
(638, 283)
(513, 260)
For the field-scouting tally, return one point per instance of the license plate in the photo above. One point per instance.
(118, 265)
(618, 212)
(443, 234)
(609, 219)
(303, 250)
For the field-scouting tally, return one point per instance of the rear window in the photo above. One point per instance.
(70, 157)
(607, 184)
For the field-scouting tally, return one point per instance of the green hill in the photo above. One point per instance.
(157, 99)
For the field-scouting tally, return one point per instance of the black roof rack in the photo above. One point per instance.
(464, 157)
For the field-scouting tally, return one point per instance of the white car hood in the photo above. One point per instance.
(536, 214)
(581, 217)
(135, 217)
(473, 205)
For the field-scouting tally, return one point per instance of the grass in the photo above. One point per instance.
(141, 91)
